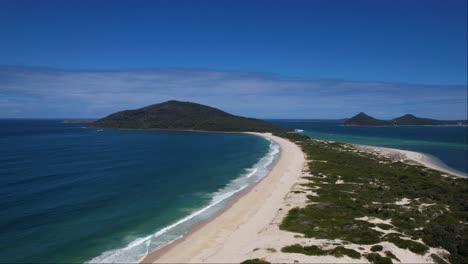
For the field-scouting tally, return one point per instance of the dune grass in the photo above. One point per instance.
(338, 252)
(255, 261)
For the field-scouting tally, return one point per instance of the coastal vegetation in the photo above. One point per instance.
(376, 248)
(378, 259)
(338, 252)
(255, 261)
(176, 115)
(366, 199)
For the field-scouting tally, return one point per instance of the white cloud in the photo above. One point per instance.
(35, 92)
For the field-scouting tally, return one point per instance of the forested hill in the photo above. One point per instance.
(409, 119)
(176, 115)
(362, 119)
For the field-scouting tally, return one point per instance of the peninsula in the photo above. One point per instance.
(322, 201)
(176, 115)
(362, 119)
(329, 202)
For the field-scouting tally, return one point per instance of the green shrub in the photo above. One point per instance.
(391, 255)
(338, 252)
(341, 251)
(438, 259)
(376, 248)
(255, 261)
(413, 246)
(309, 250)
(384, 226)
(377, 259)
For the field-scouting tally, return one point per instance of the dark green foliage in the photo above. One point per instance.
(296, 192)
(376, 248)
(413, 246)
(317, 251)
(391, 255)
(175, 115)
(310, 250)
(438, 259)
(341, 251)
(377, 259)
(384, 226)
(255, 261)
(371, 187)
(324, 221)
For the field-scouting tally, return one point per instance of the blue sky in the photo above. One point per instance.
(393, 56)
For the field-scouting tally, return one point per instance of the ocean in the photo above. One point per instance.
(447, 145)
(74, 194)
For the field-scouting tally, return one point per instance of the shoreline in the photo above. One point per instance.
(417, 157)
(186, 130)
(227, 236)
(154, 255)
(260, 170)
(248, 226)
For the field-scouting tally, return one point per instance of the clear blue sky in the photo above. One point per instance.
(420, 42)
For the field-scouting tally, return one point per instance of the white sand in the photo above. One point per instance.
(234, 234)
(404, 201)
(402, 155)
(250, 227)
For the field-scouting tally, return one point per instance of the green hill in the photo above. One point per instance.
(175, 115)
(362, 119)
(409, 119)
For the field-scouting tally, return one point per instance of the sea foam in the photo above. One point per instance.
(137, 249)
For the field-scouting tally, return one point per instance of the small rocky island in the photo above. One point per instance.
(176, 115)
(362, 119)
(78, 121)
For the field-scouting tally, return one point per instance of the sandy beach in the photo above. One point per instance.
(235, 234)
(416, 157)
(248, 227)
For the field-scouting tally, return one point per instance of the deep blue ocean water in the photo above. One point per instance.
(449, 144)
(73, 194)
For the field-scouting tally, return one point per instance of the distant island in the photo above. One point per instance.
(78, 121)
(362, 119)
(176, 115)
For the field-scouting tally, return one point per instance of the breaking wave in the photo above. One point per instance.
(139, 247)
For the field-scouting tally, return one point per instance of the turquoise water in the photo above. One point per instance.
(449, 144)
(73, 194)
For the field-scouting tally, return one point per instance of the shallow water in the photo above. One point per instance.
(449, 144)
